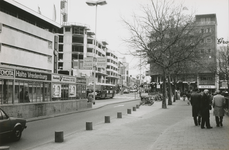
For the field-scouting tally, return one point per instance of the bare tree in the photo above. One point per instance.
(223, 62)
(164, 36)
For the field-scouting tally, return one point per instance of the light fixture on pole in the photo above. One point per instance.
(95, 3)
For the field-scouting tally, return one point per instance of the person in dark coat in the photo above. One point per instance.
(205, 107)
(195, 99)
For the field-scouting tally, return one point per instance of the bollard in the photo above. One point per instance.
(137, 106)
(4, 147)
(134, 108)
(59, 136)
(107, 119)
(119, 115)
(89, 126)
(128, 111)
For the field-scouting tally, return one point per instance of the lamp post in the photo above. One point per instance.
(95, 3)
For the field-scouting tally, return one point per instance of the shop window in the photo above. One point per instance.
(6, 91)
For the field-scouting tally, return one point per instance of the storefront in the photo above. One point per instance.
(63, 87)
(22, 86)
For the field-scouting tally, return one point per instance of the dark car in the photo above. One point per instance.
(11, 127)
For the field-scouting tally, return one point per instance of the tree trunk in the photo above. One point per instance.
(169, 92)
(164, 91)
(175, 87)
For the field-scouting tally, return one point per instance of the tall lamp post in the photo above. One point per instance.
(95, 3)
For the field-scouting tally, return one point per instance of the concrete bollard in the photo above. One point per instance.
(119, 115)
(59, 136)
(128, 111)
(107, 119)
(4, 148)
(89, 126)
(134, 108)
(137, 106)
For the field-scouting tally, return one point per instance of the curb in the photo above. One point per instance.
(77, 111)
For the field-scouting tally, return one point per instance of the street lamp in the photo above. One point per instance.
(95, 3)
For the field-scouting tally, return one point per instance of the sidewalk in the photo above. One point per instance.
(149, 128)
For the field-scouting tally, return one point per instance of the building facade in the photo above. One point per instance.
(29, 83)
(201, 78)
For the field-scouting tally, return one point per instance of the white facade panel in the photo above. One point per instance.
(13, 56)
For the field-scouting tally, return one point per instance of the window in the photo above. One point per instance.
(89, 50)
(77, 39)
(89, 41)
(76, 48)
(61, 39)
(78, 30)
(60, 48)
(67, 29)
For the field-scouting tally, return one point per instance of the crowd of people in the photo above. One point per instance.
(202, 103)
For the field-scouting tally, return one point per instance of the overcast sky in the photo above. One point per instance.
(109, 25)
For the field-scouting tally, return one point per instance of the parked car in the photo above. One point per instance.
(11, 127)
(126, 91)
(133, 90)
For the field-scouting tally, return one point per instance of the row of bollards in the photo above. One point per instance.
(59, 135)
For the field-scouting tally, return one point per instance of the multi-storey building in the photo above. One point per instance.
(28, 65)
(77, 42)
(206, 77)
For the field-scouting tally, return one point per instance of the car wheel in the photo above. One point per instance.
(17, 134)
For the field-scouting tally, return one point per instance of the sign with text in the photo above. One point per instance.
(102, 62)
(88, 63)
(6, 72)
(62, 78)
(32, 75)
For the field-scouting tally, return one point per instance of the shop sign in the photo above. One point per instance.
(6, 72)
(32, 75)
(206, 86)
(61, 78)
(80, 80)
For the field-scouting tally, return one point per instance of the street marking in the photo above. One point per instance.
(119, 106)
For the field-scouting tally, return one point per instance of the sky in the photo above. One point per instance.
(110, 27)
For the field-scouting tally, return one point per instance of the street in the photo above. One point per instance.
(42, 131)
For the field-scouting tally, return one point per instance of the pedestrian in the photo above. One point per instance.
(205, 107)
(195, 99)
(178, 94)
(188, 94)
(27, 97)
(21, 96)
(218, 103)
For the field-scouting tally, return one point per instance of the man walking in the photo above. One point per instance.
(218, 103)
(195, 102)
(205, 107)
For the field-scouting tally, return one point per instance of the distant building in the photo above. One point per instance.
(204, 78)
